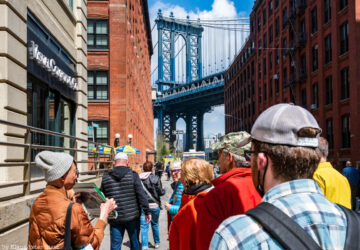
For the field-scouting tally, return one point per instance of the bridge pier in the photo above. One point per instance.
(200, 131)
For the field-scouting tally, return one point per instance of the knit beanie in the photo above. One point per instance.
(53, 164)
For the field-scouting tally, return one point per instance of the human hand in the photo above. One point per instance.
(148, 218)
(77, 197)
(106, 208)
(167, 206)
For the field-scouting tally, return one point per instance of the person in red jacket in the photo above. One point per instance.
(196, 177)
(233, 193)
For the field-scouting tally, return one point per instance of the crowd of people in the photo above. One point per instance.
(276, 190)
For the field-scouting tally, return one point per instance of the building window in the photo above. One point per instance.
(328, 56)
(344, 38)
(276, 3)
(303, 98)
(303, 65)
(284, 78)
(277, 56)
(271, 34)
(264, 17)
(277, 87)
(270, 61)
(345, 84)
(265, 92)
(98, 85)
(265, 41)
(284, 17)
(97, 34)
(264, 66)
(315, 96)
(71, 4)
(271, 87)
(345, 131)
(270, 8)
(314, 22)
(101, 133)
(259, 70)
(327, 11)
(277, 27)
(284, 45)
(329, 133)
(259, 45)
(259, 23)
(314, 55)
(343, 4)
(328, 90)
(259, 95)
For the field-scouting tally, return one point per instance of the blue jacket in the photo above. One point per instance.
(175, 198)
(352, 174)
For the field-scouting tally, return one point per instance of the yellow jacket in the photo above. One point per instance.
(334, 185)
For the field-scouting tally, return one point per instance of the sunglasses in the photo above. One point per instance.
(175, 171)
(248, 153)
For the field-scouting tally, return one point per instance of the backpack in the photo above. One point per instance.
(291, 236)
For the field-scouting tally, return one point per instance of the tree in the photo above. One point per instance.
(162, 148)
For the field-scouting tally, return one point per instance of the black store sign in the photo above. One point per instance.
(48, 61)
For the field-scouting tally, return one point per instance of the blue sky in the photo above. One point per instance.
(214, 122)
(242, 6)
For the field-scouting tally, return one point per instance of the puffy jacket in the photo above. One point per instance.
(233, 193)
(175, 198)
(182, 235)
(153, 184)
(47, 222)
(125, 187)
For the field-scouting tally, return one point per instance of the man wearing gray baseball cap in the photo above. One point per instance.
(49, 212)
(284, 156)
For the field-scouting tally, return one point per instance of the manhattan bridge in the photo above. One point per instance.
(192, 57)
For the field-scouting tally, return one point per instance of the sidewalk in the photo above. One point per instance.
(164, 244)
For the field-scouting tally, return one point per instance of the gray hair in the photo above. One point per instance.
(175, 164)
(323, 147)
(240, 161)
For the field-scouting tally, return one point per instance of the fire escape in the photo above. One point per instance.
(297, 42)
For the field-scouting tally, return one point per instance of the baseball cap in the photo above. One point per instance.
(121, 156)
(281, 123)
(230, 142)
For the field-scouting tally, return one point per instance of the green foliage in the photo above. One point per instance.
(162, 148)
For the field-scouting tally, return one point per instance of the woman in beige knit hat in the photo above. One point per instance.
(49, 211)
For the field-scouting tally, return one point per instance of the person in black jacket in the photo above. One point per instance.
(153, 189)
(124, 185)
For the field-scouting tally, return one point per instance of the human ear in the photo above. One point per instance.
(261, 161)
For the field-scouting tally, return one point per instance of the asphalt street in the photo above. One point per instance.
(164, 244)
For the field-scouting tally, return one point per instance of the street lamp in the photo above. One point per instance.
(130, 136)
(117, 140)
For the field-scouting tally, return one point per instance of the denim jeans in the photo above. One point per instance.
(155, 212)
(117, 234)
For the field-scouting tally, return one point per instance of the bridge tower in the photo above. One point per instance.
(169, 29)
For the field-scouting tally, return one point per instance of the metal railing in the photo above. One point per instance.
(97, 158)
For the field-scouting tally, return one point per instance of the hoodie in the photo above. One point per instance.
(125, 187)
(153, 185)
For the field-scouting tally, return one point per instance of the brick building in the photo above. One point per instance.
(305, 52)
(119, 92)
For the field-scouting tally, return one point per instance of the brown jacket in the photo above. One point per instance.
(47, 222)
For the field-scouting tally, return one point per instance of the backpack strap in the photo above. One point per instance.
(353, 227)
(67, 238)
(282, 228)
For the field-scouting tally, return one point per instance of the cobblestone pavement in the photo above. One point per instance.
(164, 243)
